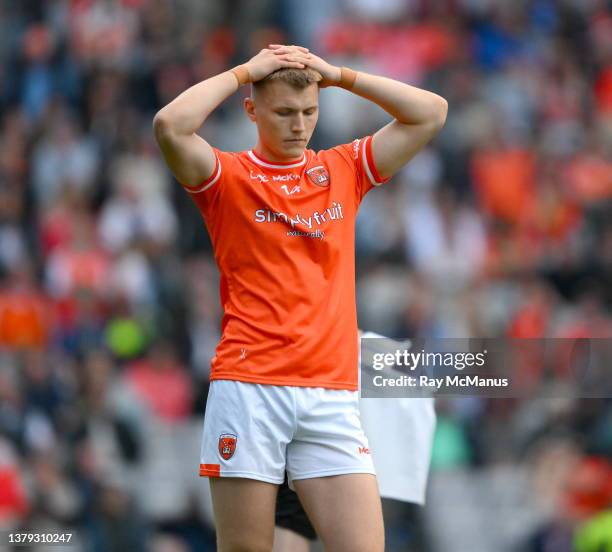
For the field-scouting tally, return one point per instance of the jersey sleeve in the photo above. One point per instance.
(208, 193)
(358, 154)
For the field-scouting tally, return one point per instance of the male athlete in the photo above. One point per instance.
(281, 218)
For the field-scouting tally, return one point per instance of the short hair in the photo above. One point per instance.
(298, 78)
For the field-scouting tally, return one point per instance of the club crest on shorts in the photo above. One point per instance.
(227, 445)
(318, 175)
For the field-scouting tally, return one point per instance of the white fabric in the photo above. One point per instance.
(309, 431)
(400, 432)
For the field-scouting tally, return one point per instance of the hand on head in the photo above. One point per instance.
(277, 56)
(269, 60)
(330, 73)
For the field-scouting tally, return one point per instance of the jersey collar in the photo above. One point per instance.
(276, 165)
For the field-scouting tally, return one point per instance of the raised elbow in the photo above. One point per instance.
(441, 112)
(161, 124)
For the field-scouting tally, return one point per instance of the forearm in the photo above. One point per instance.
(188, 111)
(408, 104)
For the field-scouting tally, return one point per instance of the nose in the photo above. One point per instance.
(297, 124)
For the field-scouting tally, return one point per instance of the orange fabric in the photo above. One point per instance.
(210, 470)
(24, 319)
(504, 182)
(283, 236)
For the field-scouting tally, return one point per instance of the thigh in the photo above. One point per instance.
(244, 514)
(290, 515)
(286, 540)
(345, 511)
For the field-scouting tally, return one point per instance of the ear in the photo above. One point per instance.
(249, 107)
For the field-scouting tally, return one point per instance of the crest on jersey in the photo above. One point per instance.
(318, 175)
(227, 445)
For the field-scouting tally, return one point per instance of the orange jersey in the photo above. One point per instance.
(284, 241)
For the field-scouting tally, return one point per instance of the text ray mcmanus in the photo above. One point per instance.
(426, 382)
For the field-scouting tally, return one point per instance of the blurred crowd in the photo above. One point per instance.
(109, 308)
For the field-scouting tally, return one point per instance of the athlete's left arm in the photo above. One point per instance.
(418, 114)
(418, 117)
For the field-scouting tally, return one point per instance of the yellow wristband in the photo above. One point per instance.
(347, 78)
(242, 74)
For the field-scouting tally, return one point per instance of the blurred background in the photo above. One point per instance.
(109, 309)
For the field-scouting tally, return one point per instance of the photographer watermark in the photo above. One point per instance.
(486, 367)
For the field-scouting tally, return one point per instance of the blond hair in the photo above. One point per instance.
(297, 78)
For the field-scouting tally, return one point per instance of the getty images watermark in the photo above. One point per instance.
(486, 367)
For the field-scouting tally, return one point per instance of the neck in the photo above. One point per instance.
(268, 155)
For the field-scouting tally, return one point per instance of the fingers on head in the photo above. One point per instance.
(287, 47)
(295, 55)
(293, 59)
(292, 63)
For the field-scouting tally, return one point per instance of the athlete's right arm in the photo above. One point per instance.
(190, 158)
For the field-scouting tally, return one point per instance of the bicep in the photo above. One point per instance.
(396, 143)
(190, 158)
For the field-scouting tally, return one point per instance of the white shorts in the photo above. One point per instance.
(258, 431)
